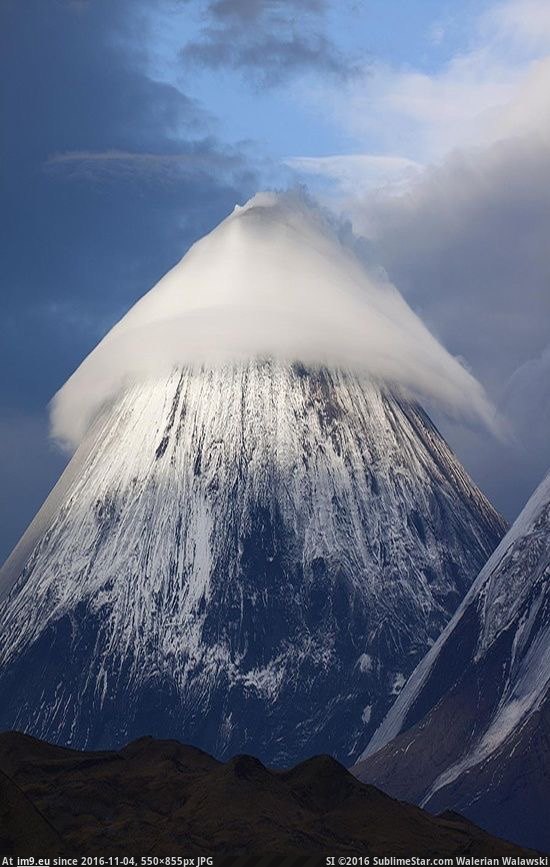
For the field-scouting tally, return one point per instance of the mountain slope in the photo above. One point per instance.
(164, 798)
(471, 729)
(249, 556)
(260, 532)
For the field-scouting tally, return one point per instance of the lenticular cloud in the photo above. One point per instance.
(272, 280)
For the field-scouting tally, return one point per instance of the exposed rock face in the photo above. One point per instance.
(471, 729)
(250, 556)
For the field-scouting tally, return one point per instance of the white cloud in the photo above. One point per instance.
(483, 92)
(524, 24)
(273, 279)
(358, 173)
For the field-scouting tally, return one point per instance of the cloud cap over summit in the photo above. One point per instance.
(274, 279)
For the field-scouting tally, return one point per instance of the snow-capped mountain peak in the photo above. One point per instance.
(254, 542)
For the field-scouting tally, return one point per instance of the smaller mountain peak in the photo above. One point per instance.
(246, 767)
(321, 764)
(153, 750)
(483, 728)
(323, 781)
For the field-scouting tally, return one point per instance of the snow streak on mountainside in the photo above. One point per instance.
(247, 556)
(471, 729)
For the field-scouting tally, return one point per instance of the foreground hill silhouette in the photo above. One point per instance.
(161, 797)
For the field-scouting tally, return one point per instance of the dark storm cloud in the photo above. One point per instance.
(71, 83)
(268, 40)
(107, 177)
(248, 11)
(29, 467)
(468, 246)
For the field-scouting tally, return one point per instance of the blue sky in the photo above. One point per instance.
(131, 128)
(280, 119)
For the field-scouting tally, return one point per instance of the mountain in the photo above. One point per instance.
(471, 729)
(250, 557)
(250, 554)
(162, 798)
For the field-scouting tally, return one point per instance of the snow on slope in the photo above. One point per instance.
(517, 567)
(462, 735)
(245, 556)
